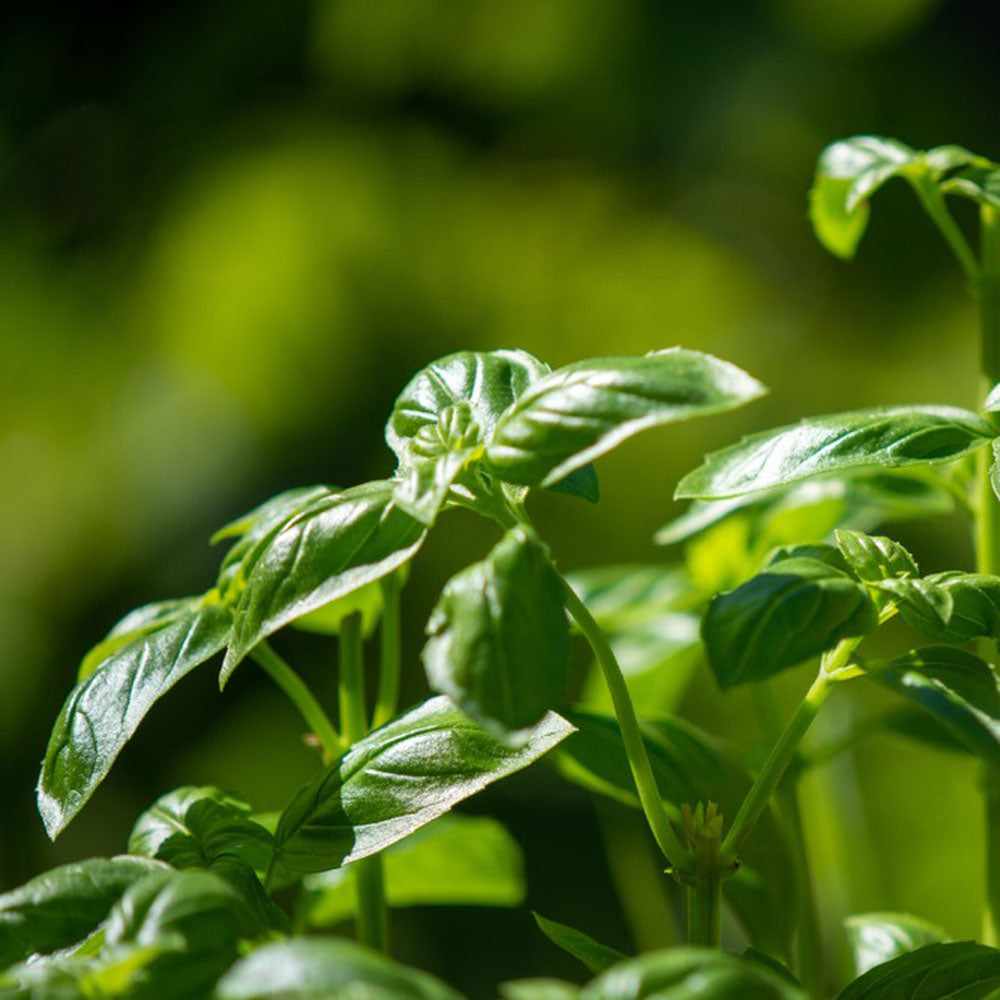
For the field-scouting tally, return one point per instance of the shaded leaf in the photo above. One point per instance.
(922, 600)
(104, 710)
(980, 182)
(886, 437)
(319, 968)
(875, 938)
(498, 641)
(575, 414)
(398, 779)
(595, 956)
(581, 483)
(975, 608)
(797, 608)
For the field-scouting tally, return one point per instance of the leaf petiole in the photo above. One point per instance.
(936, 208)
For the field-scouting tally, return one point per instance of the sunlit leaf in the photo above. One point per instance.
(539, 989)
(879, 937)
(875, 557)
(975, 608)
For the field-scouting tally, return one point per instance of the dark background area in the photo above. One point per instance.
(229, 233)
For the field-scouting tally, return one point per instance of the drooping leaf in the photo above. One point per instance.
(498, 641)
(881, 438)
(757, 957)
(339, 544)
(319, 968)
(595, 956)
(960, 969)
(980, 182)
(193, 827)
(570, 417)
(62, 906)
(875, 938)
(795, 609)
(398, 779)
(975, 608)
(690, 974)
(105, 709)
(875, 557)
(456, 860)
(959, 689)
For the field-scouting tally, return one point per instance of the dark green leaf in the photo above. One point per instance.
(336, 546)
(875, 557)
(975, 603)
(104, 710)
(581, 483)
(922, 600)
(498, 641)
(318, 969)
(690, 974)
(456, 860)
(757, 957)
(935, 972)
(979, 182)
(916, 724)
(796, 609)
(63, 905)
(398, 779)
(595, 956)
(879, 937)
(579, 412)
(960, 690)
(887, 437)
(194, 827)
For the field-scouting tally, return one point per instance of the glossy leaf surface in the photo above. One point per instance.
(797, 608)
(595, 956)
(690, 974)
(975, 600)
(105, 709)
(887, 437)
(962, 969)
(319, 968)
(193, 827)
(875, 938)
(875, 557)
(339, 544)
(579, 412)
(398, 779)
(959, 689)
(63, 905)
(456, 860)
(498, 641)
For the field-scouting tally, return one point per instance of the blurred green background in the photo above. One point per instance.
(230, 233)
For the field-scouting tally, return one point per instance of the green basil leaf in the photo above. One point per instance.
(581, 483)
(193, 827)
(874, 557)
(595, 956)
(498, 641)
(960, 690)
(690, 974)
(975, 608)
(757, 957)
(875, 938)
(935, 972)
(921, 599)
(396, 780)
(916, 724)
(619, 596)
(886, 437)
(995, 469)
(105, 709)
(579, 412)
(979, 182)
(365, 601)
(796, 609)
(62, 906)
(319, 968)
(456, 860)
(992, 402)
(539, 989)
(336, 546)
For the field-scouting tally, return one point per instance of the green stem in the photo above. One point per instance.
(371, 919)
(934, 204)
(991, 803)
(703, 906)
(387, 698)
(645, 782)
(300, 696)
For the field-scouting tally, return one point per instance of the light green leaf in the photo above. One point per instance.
(995, 469)
(337, 545)
(105, 709)
(320, 968)
(539, 989)
(935, 972)
(398, 779)
(690, 974)
(874, 557)
(992, 402)
(63, 905)
(568, 418)
(879, 937)
(498, 641)
(795, 609)
(975, 608)
(456, 861)
(326, 620)
(595, 956)
(193, 827)
(886, 437)
(960, 690)
(619, 596)
(979, 183)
